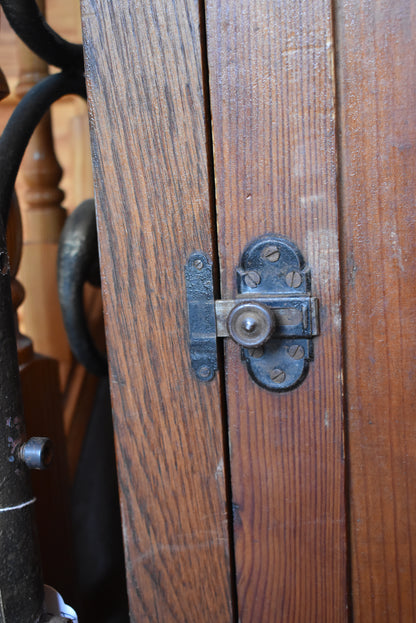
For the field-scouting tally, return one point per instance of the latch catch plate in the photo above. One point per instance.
(273, 316)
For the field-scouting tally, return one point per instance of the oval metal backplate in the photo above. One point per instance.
(271, 273)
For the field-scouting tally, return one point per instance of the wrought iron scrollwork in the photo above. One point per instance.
(28, 22)
(78, 263)
(22, 123)
(21, 592)
(30, 25)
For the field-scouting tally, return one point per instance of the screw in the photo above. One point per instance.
(296, 351)
(198, 264)
(277, 375)
(293, 279)
(37, 452)
(271, 253)
(252, 279)
(204, 372)
(256, 352)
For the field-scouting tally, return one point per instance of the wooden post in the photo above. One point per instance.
(43, 219)
(145, 88)
(376, 44)
(273, 121)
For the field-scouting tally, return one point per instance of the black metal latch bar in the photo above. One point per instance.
(272, 318)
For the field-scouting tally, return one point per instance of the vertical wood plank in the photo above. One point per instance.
(272, 97)
(143, 65)
(376, 44)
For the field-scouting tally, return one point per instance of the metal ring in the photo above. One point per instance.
(78, 262)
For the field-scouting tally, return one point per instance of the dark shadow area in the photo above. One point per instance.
(98, 543)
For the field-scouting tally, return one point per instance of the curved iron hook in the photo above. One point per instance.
(78, 262)
(23, 122)
(29, 24)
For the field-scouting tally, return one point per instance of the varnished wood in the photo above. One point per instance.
(143, 67)
(376, 45)
(273, 113)
(44, 218)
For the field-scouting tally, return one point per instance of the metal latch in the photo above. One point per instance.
(273, 317)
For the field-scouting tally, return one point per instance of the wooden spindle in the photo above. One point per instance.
(43, 219)
(14, 245)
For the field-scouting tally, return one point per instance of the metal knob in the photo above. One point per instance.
(37, 452)
(251, 324)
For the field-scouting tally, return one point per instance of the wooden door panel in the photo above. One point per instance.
(376, 44)
(144, 73)
(273, 114)
(272, 97)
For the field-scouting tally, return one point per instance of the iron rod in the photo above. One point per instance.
(29, 24)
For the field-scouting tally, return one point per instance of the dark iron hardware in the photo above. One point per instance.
(273, 317)
(78, 263)
(21, 583)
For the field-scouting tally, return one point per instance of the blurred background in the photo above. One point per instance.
(77, 500)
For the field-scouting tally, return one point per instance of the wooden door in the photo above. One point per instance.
(213, 123)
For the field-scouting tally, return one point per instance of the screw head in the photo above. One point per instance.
(37, 452)
(278, 376)
(271, 253)
(252, 279)
(204, 372)
(293, 279)
(296, 351)
(257, 353)
(198, 264)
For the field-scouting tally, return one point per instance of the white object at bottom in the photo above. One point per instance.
(54, 604)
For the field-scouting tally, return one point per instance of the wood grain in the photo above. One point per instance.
(376, 44)
(143, 66)
(272, 97)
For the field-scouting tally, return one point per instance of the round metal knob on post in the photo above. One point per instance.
(37, 452)
(251, 324)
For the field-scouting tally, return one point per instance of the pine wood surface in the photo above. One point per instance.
(377, 108)
(143, 67)
(273, 114)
